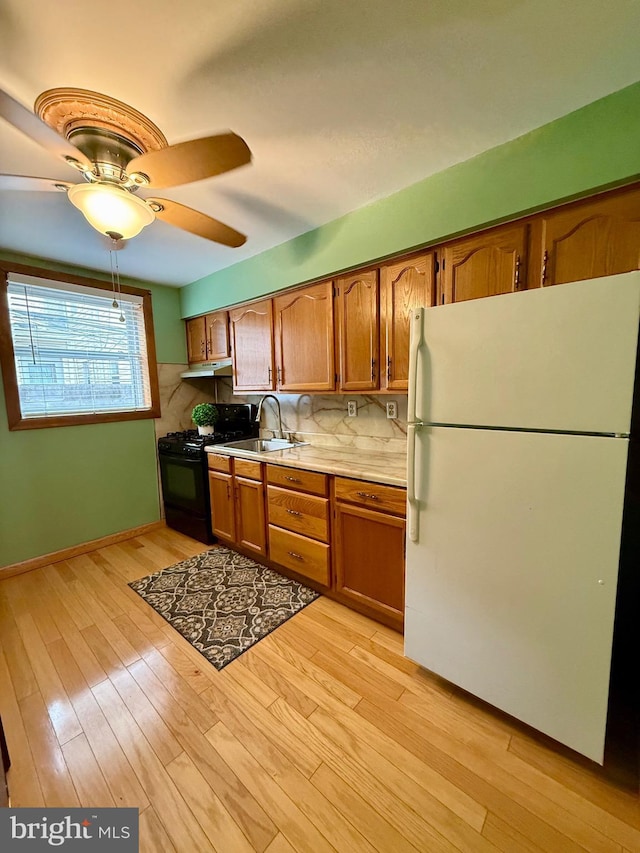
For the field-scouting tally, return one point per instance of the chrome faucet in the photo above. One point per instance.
(259, 412)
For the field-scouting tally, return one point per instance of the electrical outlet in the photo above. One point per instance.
(392, 409)
(352, 408)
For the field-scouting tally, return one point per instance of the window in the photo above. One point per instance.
(69, 356)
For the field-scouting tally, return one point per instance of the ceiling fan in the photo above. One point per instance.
(119, 151)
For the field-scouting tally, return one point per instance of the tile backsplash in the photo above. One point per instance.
(310, 417)
(178, 397)
(323, 419)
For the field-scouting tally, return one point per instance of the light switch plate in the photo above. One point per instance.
(352, 408)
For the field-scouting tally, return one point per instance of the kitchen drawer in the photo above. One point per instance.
(293, 478)
(300, 554)
(305, 514)
(219, 462)
(247, 468)
(372, 495)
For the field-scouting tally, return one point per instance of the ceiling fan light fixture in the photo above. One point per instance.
(110, 209)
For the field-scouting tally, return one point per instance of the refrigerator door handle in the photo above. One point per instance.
(413, 510)
(417, 340)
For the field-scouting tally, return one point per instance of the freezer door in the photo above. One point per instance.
(556, 358)
(511, 586)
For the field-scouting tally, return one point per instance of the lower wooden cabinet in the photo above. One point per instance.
(368, 543)
(236, 490)
(344, 536)
(250, 525)
(221, 495)
(299, 529)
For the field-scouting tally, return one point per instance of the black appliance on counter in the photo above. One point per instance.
(183, 468)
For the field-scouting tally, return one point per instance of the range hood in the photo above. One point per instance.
(208, 371)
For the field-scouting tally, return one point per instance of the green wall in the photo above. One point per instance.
(66, 485)
(595, 147)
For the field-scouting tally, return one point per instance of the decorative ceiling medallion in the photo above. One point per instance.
(67, 110)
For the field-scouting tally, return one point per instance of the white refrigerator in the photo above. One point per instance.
(520, 410)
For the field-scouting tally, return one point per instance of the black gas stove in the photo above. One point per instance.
(190, 443)
(183, 468)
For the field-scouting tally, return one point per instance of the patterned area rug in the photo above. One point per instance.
(222, 602)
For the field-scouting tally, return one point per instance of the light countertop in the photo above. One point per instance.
(374, 465)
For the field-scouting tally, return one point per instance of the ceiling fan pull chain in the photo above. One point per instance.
(113, 279)
(121, 318)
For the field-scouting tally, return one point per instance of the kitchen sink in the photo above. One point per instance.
(263, 445)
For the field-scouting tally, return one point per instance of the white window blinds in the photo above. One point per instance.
(73, 354)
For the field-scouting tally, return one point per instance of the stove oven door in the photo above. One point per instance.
(185, 494)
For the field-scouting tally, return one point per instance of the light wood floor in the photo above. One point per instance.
(321, 737)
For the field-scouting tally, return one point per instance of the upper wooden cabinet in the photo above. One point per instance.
(404, 285)
(287, 343)
(208, 337)
(196, 340)
(303, 326)
(358, 332)
(252, 344)
(484, 264)
(217, 334)
(592, 238)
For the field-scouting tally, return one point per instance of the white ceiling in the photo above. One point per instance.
(342, 102)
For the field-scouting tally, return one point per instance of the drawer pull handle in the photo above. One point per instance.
(293, 512)
(368, 495)
(295, 556)
(292, 479)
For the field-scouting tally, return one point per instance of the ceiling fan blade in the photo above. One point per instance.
(19, 116)
(197, 223)
(192, 161)
(25, 182)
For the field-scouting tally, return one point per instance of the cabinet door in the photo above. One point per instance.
(594, 238)
(358, 331)
(252, 344)
(369, 557)
(484, 265)
(222, 509)
(217, 334)
(304, 339)
(250, 524)
(196, 340)
(404, 286)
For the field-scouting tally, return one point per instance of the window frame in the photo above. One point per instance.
(8, 358)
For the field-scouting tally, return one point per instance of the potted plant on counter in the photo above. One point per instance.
(204, 416)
